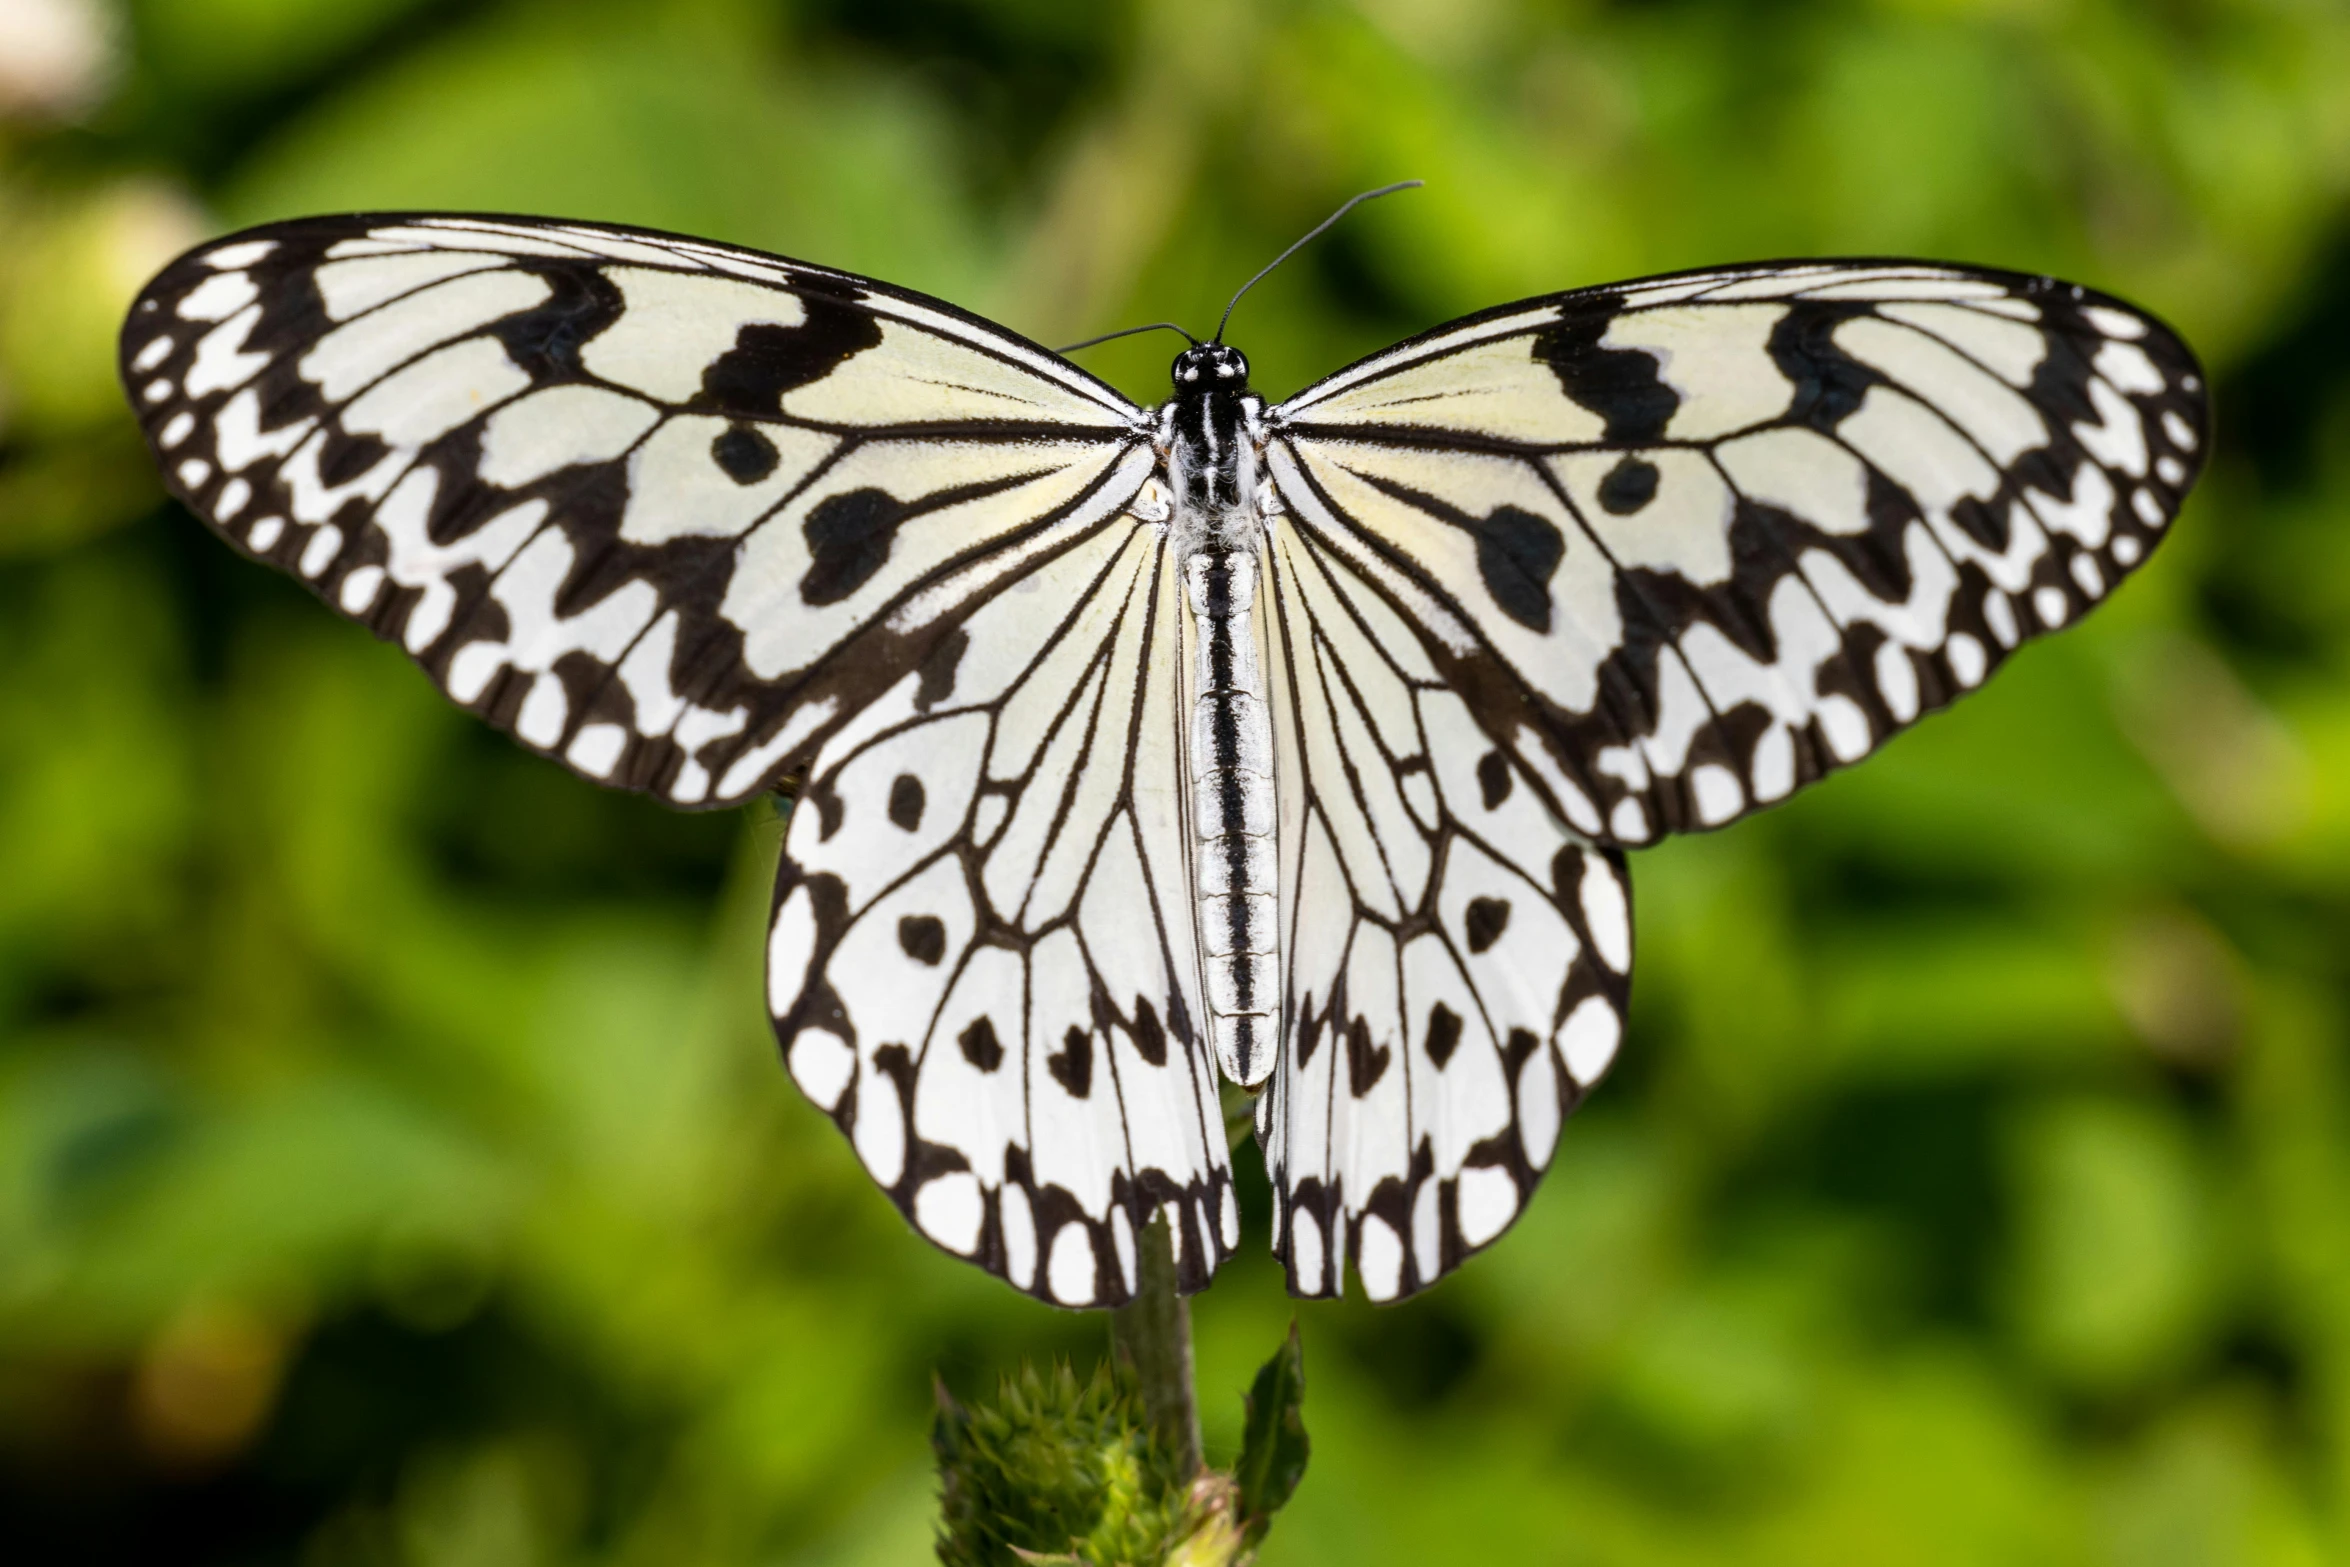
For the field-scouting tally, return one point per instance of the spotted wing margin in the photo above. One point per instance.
(1458, 959)
(663, 509)
(1689, 543)
(982, 961)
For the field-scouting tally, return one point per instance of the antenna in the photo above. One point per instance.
(1351, 204)
(1127, 331)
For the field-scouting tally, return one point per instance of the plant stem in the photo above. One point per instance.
(1151, 1337)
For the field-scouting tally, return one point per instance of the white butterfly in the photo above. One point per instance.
(1296, 742)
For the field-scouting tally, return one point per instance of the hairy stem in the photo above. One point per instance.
(1152, 1338)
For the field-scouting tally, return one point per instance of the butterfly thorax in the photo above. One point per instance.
(1210, 434)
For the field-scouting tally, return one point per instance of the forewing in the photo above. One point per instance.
(1687, 544)
(665, 510)
(1457, 958)
(982, 960)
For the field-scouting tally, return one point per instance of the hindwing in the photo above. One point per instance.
(983, 960)
(1456, 958)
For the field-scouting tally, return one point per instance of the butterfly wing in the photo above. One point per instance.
(1691, 543)
(983, 955)
(662, 509)
(1457, 962)
(1583, 570)
(691, 519)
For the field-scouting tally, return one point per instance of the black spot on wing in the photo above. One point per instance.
(544, 341)
(748, 380)
(1566, 875)
(1628, 486)
(1486, 919)
(1515, 1049)
(850, 534)
(745, 455)
(1150, 1038)
(1308, 1031)
(1829, 383)
(849, 537)
(1621, 385)
(345, 456)
(980, 1046)
(906, 799)
(1365, 1063)
(1493, 779)
(1072, 1067)
(1517, 551)
(1516, 554)
(897, 1063)
(938, 669)
(1444, 1033)
(923, 938)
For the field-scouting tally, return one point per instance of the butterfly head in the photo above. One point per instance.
(1211, 367)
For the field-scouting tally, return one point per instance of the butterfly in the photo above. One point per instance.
(1294, 744)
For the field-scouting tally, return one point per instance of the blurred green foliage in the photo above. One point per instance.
(394, 1168)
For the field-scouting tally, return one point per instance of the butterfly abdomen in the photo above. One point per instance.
(1232, 814)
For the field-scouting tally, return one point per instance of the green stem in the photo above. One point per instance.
(1152, 1338)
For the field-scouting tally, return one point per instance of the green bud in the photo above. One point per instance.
(1055, 1470)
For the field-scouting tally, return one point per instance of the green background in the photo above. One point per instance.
(394, 1163)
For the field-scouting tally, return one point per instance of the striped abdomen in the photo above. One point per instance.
(1232, 816)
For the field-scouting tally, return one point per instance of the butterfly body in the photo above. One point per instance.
(1296, 744)
(1210, 444)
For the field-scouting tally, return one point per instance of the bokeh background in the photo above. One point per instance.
(394, 1164)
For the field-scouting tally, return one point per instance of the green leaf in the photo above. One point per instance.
(1273, 1446)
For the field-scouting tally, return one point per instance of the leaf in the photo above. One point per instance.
(1273, 1445)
